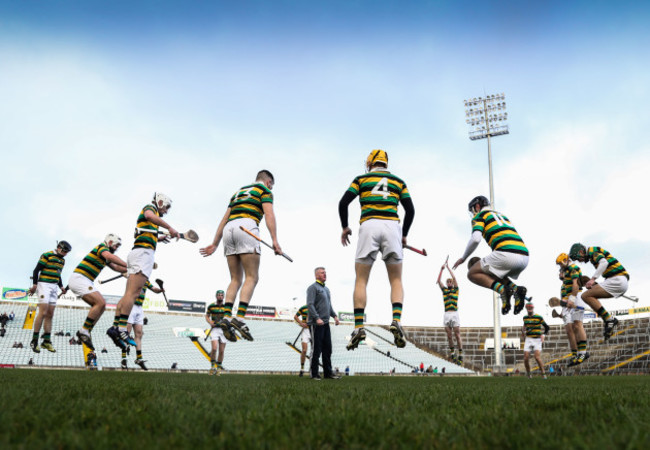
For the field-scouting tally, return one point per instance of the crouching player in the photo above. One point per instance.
(532, 331)
(213, 316)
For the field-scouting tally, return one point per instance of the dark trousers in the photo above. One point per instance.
(321, 341)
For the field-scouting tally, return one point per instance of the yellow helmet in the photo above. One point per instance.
(562, 258)
(376, 156)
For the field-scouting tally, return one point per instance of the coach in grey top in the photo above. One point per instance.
(320, 311)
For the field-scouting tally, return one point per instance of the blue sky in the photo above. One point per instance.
(104, 103)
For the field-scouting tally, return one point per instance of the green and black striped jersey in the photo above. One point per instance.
(93, 262)
(379, 194)
(302, 313)
(534, 325)
(498, 232)
(614, 268)
(247, 202)
(52, 266)
(450, 296)
(140, 300)
(572, 272)
(216, 312)
(145, 239)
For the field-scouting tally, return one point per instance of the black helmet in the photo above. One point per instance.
(64, 245)
(478, 200)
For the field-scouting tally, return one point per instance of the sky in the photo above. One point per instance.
(104, 103)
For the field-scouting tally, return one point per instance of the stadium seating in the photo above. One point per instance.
(269, 352)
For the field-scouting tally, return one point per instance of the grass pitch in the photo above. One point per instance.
(74, 409)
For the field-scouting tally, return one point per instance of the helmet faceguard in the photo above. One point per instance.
(562, 259)
(64, 246)
(162, 202)
(113, 241)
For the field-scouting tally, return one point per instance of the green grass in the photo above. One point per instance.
(74, 409)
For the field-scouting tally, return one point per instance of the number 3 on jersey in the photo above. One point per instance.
(381, 188)
(244, 193)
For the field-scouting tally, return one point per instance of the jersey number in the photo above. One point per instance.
(500, 220)
(244, 193)
(381, 188)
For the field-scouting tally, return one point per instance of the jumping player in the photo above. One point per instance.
(451, 320)
(82, 282)
(136, 323)
(305, 336)
(379, 193)
(47, 277)
(508, 259)
(532, 331)
(246, 208)
(571, 277)
(140, 261)
(213, 315)
(615, 281)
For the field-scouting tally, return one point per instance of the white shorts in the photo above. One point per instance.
(578, 313)
(217, 335)
(504, 264)
(377, 235)
(533, 344)
(81, 285)
(238, 242)
(47, 293)
(306, 336)
(567, 315)
(615, 286)
(137, 315)
(452, 319)
(140, 260)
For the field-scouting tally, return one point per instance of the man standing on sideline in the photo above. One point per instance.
(380, 192)
(508, 259)
(532, 331)
(246, 208)
(213, 316)
(451, 320)
(47, 276)
(301, 319)
(320, 310)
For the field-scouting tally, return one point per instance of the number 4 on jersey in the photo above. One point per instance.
(381, 188)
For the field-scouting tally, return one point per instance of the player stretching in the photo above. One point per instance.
(213, 315)
(379, 193)
(615, 281)
(532, 330)
(82, 282)
(246, 208)
(451, 320)
(140, 262)
(47, 276)
(571, 277)
(136, 323)
(301, 319)
(508, 259)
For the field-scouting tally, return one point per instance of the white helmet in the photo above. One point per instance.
(112, 239)
(160, 197)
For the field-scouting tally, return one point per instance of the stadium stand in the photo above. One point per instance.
(627, 352)
(269, 352)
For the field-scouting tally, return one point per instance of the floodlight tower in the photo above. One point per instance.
(487, 117)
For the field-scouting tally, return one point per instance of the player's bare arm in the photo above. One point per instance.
(210, 249)
(269, 218)
(442, 286)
